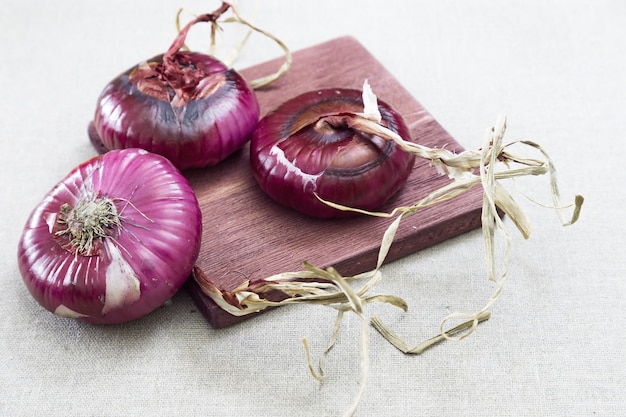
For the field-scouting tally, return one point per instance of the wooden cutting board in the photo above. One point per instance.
(248, 236)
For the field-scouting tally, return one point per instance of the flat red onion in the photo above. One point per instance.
(306, 147)
(113, 240)
(186, 106)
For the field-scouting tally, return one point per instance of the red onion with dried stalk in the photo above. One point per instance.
(306, 148)
(487, 167)
(113, 240)
(187, 106)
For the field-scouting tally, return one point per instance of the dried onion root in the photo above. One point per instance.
(327, 287)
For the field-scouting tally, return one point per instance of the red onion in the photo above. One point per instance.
(113, 240)
(306, 146)
(186, 106)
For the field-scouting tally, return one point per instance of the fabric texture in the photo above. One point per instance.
(555, 342)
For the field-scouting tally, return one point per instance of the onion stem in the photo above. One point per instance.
(179, 43)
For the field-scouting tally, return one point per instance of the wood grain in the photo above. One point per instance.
(248, 236)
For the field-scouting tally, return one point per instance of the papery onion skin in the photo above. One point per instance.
(138, 265)
(295, 154)
(199, 131)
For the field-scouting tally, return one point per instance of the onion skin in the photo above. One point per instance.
(139, 264)
(303, 148)
(196, 114)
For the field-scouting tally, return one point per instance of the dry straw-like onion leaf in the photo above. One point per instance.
(486, 167)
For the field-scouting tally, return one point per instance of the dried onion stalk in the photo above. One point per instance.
(237, 18)
(466, 170)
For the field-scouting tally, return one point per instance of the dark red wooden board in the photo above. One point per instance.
(248, 235)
